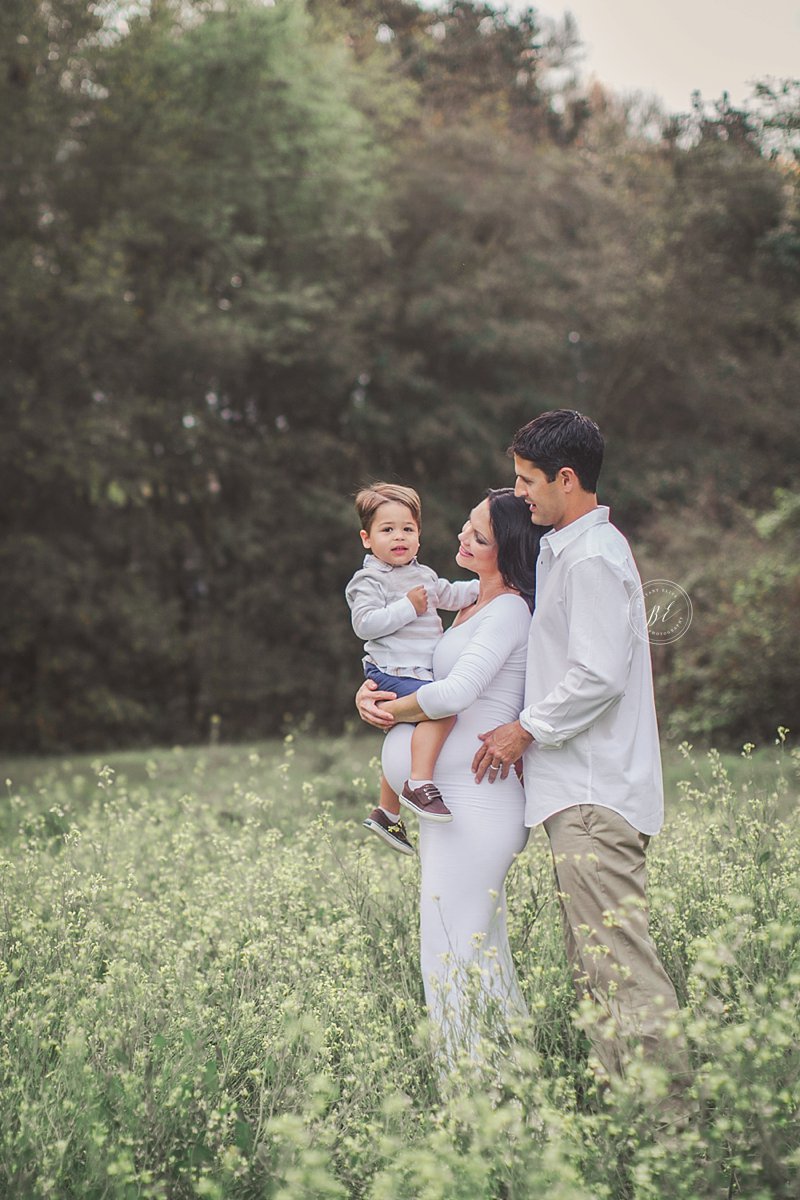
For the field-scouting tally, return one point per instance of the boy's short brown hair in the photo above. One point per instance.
(370, 498)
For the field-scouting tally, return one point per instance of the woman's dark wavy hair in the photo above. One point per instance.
(517, 541)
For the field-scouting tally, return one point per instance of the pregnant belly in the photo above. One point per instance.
(453, 774)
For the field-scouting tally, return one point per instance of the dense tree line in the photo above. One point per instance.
(256, 255)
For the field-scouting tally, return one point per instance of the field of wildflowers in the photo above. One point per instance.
(209, 987)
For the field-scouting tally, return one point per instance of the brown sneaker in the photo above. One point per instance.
(426, 802)
(392, 832)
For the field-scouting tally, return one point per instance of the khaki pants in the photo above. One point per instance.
(601, 878)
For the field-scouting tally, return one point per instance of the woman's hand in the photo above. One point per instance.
(501, 749)
(367, 698)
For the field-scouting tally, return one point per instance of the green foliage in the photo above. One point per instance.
(746, 672)
(210, 988)
(734, 674)
(257, 254)
(216, 199)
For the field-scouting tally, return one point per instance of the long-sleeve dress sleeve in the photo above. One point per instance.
(499, 630)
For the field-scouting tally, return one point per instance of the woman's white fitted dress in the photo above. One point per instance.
(479, 668)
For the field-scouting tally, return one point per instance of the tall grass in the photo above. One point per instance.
(210, 988)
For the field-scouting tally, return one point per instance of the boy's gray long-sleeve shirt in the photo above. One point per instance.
(395, 638)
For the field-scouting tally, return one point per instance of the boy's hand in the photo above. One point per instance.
(419, 598)
(369, 710)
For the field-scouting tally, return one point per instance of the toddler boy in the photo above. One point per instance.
(393, 601)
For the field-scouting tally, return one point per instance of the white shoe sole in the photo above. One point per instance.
(424, 816)
(387, 837)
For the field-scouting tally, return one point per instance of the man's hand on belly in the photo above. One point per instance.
(501, 748)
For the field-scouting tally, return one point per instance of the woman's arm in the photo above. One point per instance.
(369, 709)
(496, 635)
(405, 709)
(498, 631)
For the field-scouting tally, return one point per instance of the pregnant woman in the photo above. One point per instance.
(479, 670)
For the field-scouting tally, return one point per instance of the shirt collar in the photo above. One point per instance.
(559, 539)
(371, 563)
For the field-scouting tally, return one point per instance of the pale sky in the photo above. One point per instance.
(672, 47)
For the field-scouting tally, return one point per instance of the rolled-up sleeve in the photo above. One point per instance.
(599, 655)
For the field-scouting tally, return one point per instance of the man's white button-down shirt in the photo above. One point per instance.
(589, 690)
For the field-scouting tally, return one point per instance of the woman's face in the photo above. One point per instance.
(477, 549)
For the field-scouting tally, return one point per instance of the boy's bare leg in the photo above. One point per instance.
(388, 800)
(426, 744)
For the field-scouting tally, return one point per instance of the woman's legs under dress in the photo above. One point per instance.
(467, 967)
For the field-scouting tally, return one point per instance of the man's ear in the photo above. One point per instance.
(362, 533)
(569, 480)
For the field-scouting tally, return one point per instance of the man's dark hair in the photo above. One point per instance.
(517, 541)
(562, 438)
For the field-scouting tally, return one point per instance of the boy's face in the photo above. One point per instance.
(393, 536)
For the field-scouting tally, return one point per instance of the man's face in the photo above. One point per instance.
(546, 500)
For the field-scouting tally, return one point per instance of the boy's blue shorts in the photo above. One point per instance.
(398, 684)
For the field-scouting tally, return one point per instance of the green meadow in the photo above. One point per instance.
(209, 987)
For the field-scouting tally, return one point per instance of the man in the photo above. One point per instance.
(589, 740)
